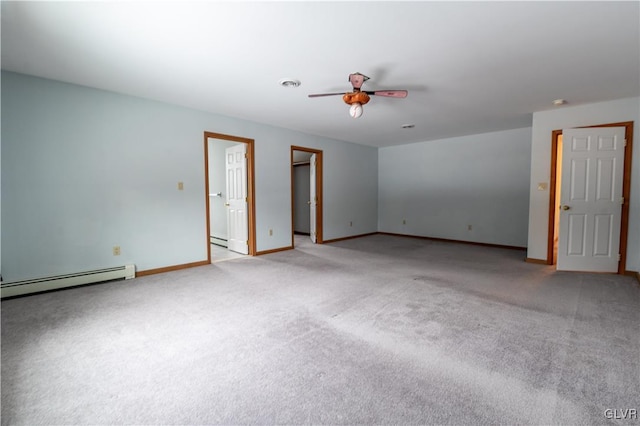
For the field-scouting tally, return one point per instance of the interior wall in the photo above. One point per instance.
(301, 197)
(84, 170)
(544, 122)
(345, 210)
(1, 277)
(218, 184)
(441, 187)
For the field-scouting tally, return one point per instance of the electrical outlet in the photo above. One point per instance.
(271, 232)
(116, 250)
(404, 221)
(180, 186)
(469, 227)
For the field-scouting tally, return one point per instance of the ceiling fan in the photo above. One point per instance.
(359, 97)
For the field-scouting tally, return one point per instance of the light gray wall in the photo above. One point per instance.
(84, 170)
(544, 123)
(218, 183)
(442, 186)
(355, 213)
(1, 277)
(301, 197)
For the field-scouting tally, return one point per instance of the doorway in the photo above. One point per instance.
(229, 195)
(306, 194)
(554, 193)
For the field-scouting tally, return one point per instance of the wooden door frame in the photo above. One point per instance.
(319, 193)
(251, 207)
(626, 191)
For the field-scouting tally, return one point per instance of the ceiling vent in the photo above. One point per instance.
(289, 82)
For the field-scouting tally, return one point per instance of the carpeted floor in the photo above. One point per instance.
(374, 330)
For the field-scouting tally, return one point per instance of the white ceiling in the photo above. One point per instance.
(470, 67)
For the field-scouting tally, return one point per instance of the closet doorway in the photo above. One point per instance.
(306, 194)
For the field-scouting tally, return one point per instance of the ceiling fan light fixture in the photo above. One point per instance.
(289, 82)
(357, 97)
(355, 110)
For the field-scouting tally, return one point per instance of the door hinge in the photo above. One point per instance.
(621, 200)
(247, 243)
(625, 143)
(619, 257)
(245, 155)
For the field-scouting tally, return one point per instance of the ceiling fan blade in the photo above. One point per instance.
(317, 95)
(389, 93)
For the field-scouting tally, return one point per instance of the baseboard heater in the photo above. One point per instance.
(19, 288)
(218, 241)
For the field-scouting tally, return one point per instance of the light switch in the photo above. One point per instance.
(542, 186)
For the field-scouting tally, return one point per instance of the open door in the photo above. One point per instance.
(313, 198)
(591, 199)
(236, 202)
(216, 189)
(312, 157)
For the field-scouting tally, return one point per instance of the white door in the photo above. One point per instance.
(591, 199)
(313, 199)
(237, 218)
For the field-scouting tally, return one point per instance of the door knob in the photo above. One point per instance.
(566, 207)
(227, 204)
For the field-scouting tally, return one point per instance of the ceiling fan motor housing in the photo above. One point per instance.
(356, 97)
